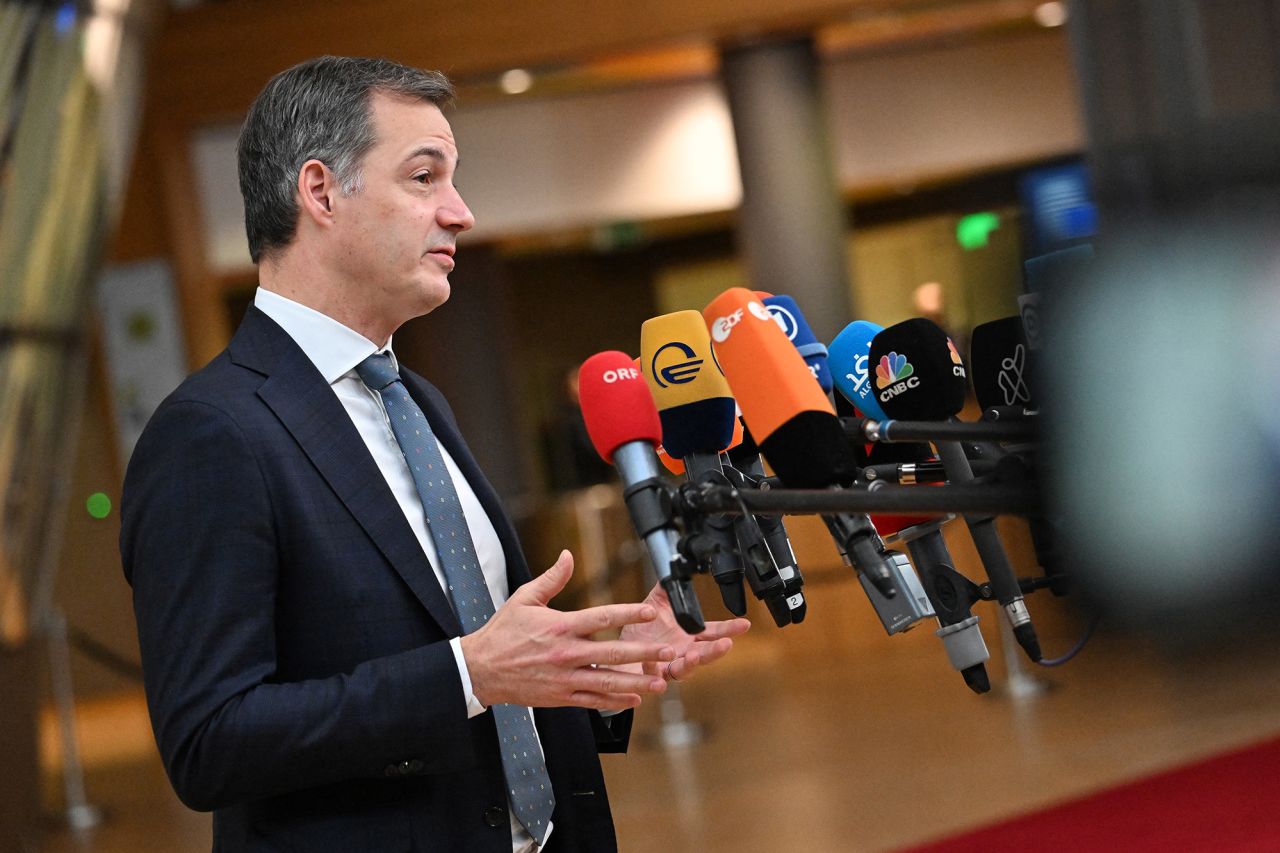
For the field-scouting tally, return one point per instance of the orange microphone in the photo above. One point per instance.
(792, 420)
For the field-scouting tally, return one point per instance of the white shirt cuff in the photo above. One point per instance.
(474, 708)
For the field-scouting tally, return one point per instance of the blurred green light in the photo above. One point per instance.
(99, 505)
(974, 231)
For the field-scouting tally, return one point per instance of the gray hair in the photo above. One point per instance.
(317, 110)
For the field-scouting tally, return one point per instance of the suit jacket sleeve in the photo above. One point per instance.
(200, 546)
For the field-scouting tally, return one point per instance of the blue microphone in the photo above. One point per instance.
(850, 356)
(786, 313)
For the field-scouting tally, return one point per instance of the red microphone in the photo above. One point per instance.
(623, 424)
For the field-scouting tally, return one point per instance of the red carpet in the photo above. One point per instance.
(1228, 803)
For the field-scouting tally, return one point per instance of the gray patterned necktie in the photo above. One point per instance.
(528, 785)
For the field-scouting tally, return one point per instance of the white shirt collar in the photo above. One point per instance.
(333, 348)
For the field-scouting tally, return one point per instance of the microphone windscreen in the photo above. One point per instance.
(887, 525)
(898, 453)
(918, 372)
(850, 354)
(770, 380)
(675, 466)
(787, 314)
(616, 404)
(695, 405)
(1000, 361)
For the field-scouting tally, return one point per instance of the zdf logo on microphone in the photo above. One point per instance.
(722, 326)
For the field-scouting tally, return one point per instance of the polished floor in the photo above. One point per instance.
(827, 736)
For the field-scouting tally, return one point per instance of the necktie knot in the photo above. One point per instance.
(377, 371)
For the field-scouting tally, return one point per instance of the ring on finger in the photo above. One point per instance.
(670, 675)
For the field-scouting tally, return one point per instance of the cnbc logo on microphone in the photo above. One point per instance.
(681, 364)
(895, 375)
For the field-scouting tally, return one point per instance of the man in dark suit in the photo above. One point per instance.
(323, 666)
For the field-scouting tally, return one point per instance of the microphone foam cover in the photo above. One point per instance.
(787, 314)
(675, 466)
(850, 355)
(770, 380)
(1000, 360)
(616, 404)
(810, 451)
(695, 405)
(917, 372)
(887, 525)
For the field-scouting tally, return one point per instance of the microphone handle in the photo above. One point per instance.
(750, 471)
(952, 596)
(723, 561)
(1004, 581)
(860, 546)
(771, 569)
(649, 505)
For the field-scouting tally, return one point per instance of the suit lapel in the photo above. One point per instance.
(306, 405)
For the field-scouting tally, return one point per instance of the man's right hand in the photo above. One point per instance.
(529, 654)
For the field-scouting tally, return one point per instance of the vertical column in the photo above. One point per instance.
(792, 226)
(464, 347)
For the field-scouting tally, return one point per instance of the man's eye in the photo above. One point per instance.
(423, 178)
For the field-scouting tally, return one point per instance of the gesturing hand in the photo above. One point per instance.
(691, 651)
(530, 654)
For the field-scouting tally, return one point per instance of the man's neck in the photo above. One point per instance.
(290, 275)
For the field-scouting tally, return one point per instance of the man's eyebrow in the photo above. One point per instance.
(431, 152)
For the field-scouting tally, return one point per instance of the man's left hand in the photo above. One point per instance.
(692, 650)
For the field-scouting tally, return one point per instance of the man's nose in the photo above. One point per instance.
(455, 215)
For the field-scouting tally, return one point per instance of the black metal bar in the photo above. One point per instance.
(924, 500)
(865, 429)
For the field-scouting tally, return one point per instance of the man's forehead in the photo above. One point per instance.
(409, 125)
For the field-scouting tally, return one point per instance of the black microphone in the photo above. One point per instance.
(920, 376)
(746, 471)
(1002, 366)
(1004, 382)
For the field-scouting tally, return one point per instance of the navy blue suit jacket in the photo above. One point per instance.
(294, 637)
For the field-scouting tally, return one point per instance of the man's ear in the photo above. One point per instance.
(317, 191)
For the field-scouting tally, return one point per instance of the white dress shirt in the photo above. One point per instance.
(335, 350)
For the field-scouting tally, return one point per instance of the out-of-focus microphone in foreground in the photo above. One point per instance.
(697, 412)
(792, 420)
(920, 376)
(624, 428)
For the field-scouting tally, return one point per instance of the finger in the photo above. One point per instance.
(699, 654)
(547, 585)
(618, 652)
(606, 616)
(724, 628)
(605, 680)
(604, 702)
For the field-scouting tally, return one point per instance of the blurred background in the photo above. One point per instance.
(875, 159)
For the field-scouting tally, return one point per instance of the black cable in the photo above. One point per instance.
(100, 654)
